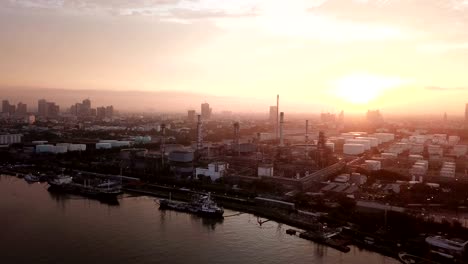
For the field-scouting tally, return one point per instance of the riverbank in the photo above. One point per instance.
(308, 221)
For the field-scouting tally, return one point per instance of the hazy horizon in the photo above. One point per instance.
(180, 101)
(403, 57)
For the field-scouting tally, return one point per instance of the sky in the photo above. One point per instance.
(400, 56)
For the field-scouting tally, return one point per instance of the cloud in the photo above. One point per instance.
(446, 89)
(443, 47)
(122, 7)
(186, 13)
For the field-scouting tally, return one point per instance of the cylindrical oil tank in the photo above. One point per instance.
(103, 145)
(61, 149)
(45, 148)
(353, 149)
(181, 156)
(77, 147)
(374, 142)
(265, 170)
(366, 143)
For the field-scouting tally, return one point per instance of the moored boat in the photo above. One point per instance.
(31, 178)
(200, 204)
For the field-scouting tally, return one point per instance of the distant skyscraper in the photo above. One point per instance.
(273, 113)
(21, 109)
(5, 106)
(109, 111)
(101, 112)
(191, 115)
(206, 111)
(105, 112)
(53, 110)
(8, 108)
(85, 108)
(42, 107)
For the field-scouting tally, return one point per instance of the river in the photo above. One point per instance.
(41, 227)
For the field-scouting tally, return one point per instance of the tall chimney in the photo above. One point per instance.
(281, 129)
(163, 143)
(277, 115)
(236, 137)
(307, 132)
(199, 134)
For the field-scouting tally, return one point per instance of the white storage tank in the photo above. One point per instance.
(45, 148)
(77, 147)
(353, 149)
(374, 142)
(364, 142)
(119, 144)
(347, 135)
(265, 170)
(181, 156)
(59, 149)
(384, 137)
(103, 145)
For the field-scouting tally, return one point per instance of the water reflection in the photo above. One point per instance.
(63, 198)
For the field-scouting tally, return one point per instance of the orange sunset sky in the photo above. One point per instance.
(400, 55)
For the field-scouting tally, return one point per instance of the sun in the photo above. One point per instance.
(363, 88)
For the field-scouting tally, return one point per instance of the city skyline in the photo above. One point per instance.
(341, 55)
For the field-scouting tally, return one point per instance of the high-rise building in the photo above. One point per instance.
(105, 112)
(191, 115)
(53, 110)
(85, 107)
(21, 109)
(109, 111)
(42, 107)
(5, 106)
(273, 114)
(206, 111)
(101, 112)
(8, 108)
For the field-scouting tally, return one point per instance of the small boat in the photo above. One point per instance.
(200, 204)
(31, 178)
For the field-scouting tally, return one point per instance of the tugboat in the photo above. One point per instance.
(200, 204)
(31, 178)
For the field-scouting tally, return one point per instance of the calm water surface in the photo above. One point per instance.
(39, 227)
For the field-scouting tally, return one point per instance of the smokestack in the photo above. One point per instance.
(199, 134)
(307, 132)
(236, 137)
(277, 114)
(163, 143)
(281, 129)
